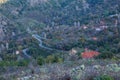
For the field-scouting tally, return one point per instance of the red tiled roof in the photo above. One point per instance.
(89, 54)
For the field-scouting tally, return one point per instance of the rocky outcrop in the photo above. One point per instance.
(2, 35)
(3, 27)
(1, 59)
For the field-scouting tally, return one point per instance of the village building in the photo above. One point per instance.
(94, 38)
(72, 52)
(85, 27)
(98, 29)
(89, 54)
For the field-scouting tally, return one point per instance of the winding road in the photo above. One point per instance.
(39, 38)
(25, 53)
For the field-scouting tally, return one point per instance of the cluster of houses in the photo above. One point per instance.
(100, 28)
(87, 54)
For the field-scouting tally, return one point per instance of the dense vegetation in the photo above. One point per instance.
(66, 25)
(22, 14)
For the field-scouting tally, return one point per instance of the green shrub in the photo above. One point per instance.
(40, 60)
(23, 63)
(50, 59)
(14, 63)
(54, 59)
(106, 54)
(103, 77)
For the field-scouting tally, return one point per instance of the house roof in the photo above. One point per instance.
(89, 54)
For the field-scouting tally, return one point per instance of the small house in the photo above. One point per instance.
(89, 54)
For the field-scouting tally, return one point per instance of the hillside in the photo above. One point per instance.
(47, 17)
(55, 31)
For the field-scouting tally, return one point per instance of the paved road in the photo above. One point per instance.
(39, 38)
(25, 53)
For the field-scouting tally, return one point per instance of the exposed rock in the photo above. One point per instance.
(4, 23)
(78, 76)
(2, 34)
(0, 59)
(82, 67)
(113, 67)
(2, 47)
(96, 67)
